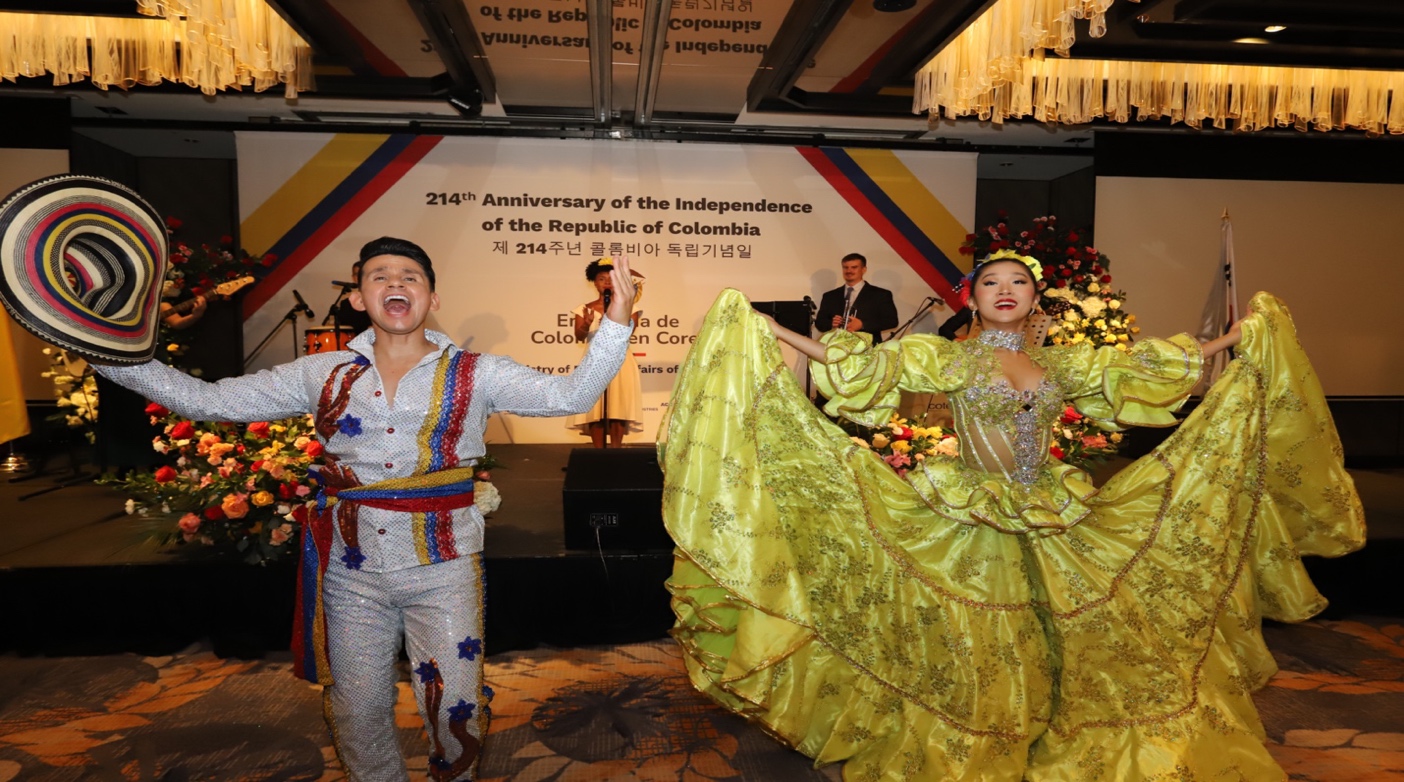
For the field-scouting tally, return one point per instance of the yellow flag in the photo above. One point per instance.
(14, 419)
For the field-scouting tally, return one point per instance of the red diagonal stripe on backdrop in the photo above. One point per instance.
(875, 218)
(298, 259)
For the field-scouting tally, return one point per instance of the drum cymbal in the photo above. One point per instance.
(82, 260)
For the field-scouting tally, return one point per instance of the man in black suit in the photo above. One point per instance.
(856, 305)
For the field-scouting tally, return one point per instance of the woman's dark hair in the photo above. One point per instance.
(598, 265)
(389, 245)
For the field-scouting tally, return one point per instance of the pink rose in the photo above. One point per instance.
(189, 523)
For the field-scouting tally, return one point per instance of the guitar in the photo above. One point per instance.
(220, 291)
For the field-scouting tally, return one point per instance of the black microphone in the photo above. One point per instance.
(306, 310)
(808, 302)
(344, 284)
(608, 294)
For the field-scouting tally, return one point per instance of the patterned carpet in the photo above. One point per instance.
(1334, 713)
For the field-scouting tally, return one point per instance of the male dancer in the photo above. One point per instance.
(399, 545)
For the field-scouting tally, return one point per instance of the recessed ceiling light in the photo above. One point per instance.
(1251, 40)
(1275, 28)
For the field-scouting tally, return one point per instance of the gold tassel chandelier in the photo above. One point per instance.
(211, 45)
(996, 69)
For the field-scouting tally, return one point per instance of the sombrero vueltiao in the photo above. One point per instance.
(82, 260)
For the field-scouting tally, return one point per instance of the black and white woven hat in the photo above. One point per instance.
(82, 261)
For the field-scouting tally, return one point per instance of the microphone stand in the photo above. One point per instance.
(290, 317)
(926, 306)
(334, 314)
(604, 397)
(809, 376)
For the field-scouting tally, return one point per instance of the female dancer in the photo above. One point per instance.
(623, 398)
(996, 616)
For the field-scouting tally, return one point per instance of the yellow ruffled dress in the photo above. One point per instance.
(996, 616)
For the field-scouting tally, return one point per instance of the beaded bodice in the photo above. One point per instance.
(1002, 429)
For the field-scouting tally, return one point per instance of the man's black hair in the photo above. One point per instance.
(389, 245)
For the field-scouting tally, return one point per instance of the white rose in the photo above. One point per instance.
(131, 507)
(486, 497)
(1092, 306)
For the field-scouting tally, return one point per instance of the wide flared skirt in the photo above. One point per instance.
(819, 596)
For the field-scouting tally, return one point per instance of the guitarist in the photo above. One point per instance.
(184, 315)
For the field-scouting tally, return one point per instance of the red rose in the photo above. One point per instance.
(286, 491)
(1062, 283)
(154, 409)
(903, 434)
(1106, 278)
(178, 259)
(256, 466)
(313, 449)
(269, 259)
(226, 239)
(1048, 272)
(1070, 416)
(165, 474)
(214, 513)
(239, 449)
(183, 431)
(1056, 451)
(997, 246)
(1072, 236)
(174, 223)
(1078, 278)
(1065, 272)
(1072, 251)
(259, 429)
(196, 290)
(300, 513)
(967, 251)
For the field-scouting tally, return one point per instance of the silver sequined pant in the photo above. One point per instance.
(438, 612)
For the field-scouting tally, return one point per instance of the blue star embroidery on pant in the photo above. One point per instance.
(353, 557)
(462, 712)
(470, 648)
(349, 425)
(427, 672)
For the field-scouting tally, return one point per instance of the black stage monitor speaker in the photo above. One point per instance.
(613, 499)
(793, 315)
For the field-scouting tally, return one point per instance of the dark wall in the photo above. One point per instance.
(1073, 198)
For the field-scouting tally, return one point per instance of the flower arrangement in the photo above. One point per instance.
(903, 444)
(241, 490)
(1079, 442)
(76, 393)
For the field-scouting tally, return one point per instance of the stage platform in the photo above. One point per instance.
(81, 577)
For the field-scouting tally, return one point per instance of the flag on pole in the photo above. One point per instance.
(14, 419)
(1221, 310)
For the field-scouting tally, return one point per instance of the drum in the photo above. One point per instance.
(325, 339)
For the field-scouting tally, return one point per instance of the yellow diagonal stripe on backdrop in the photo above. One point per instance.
(911, 196)
(14, 419)
(305, 189)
